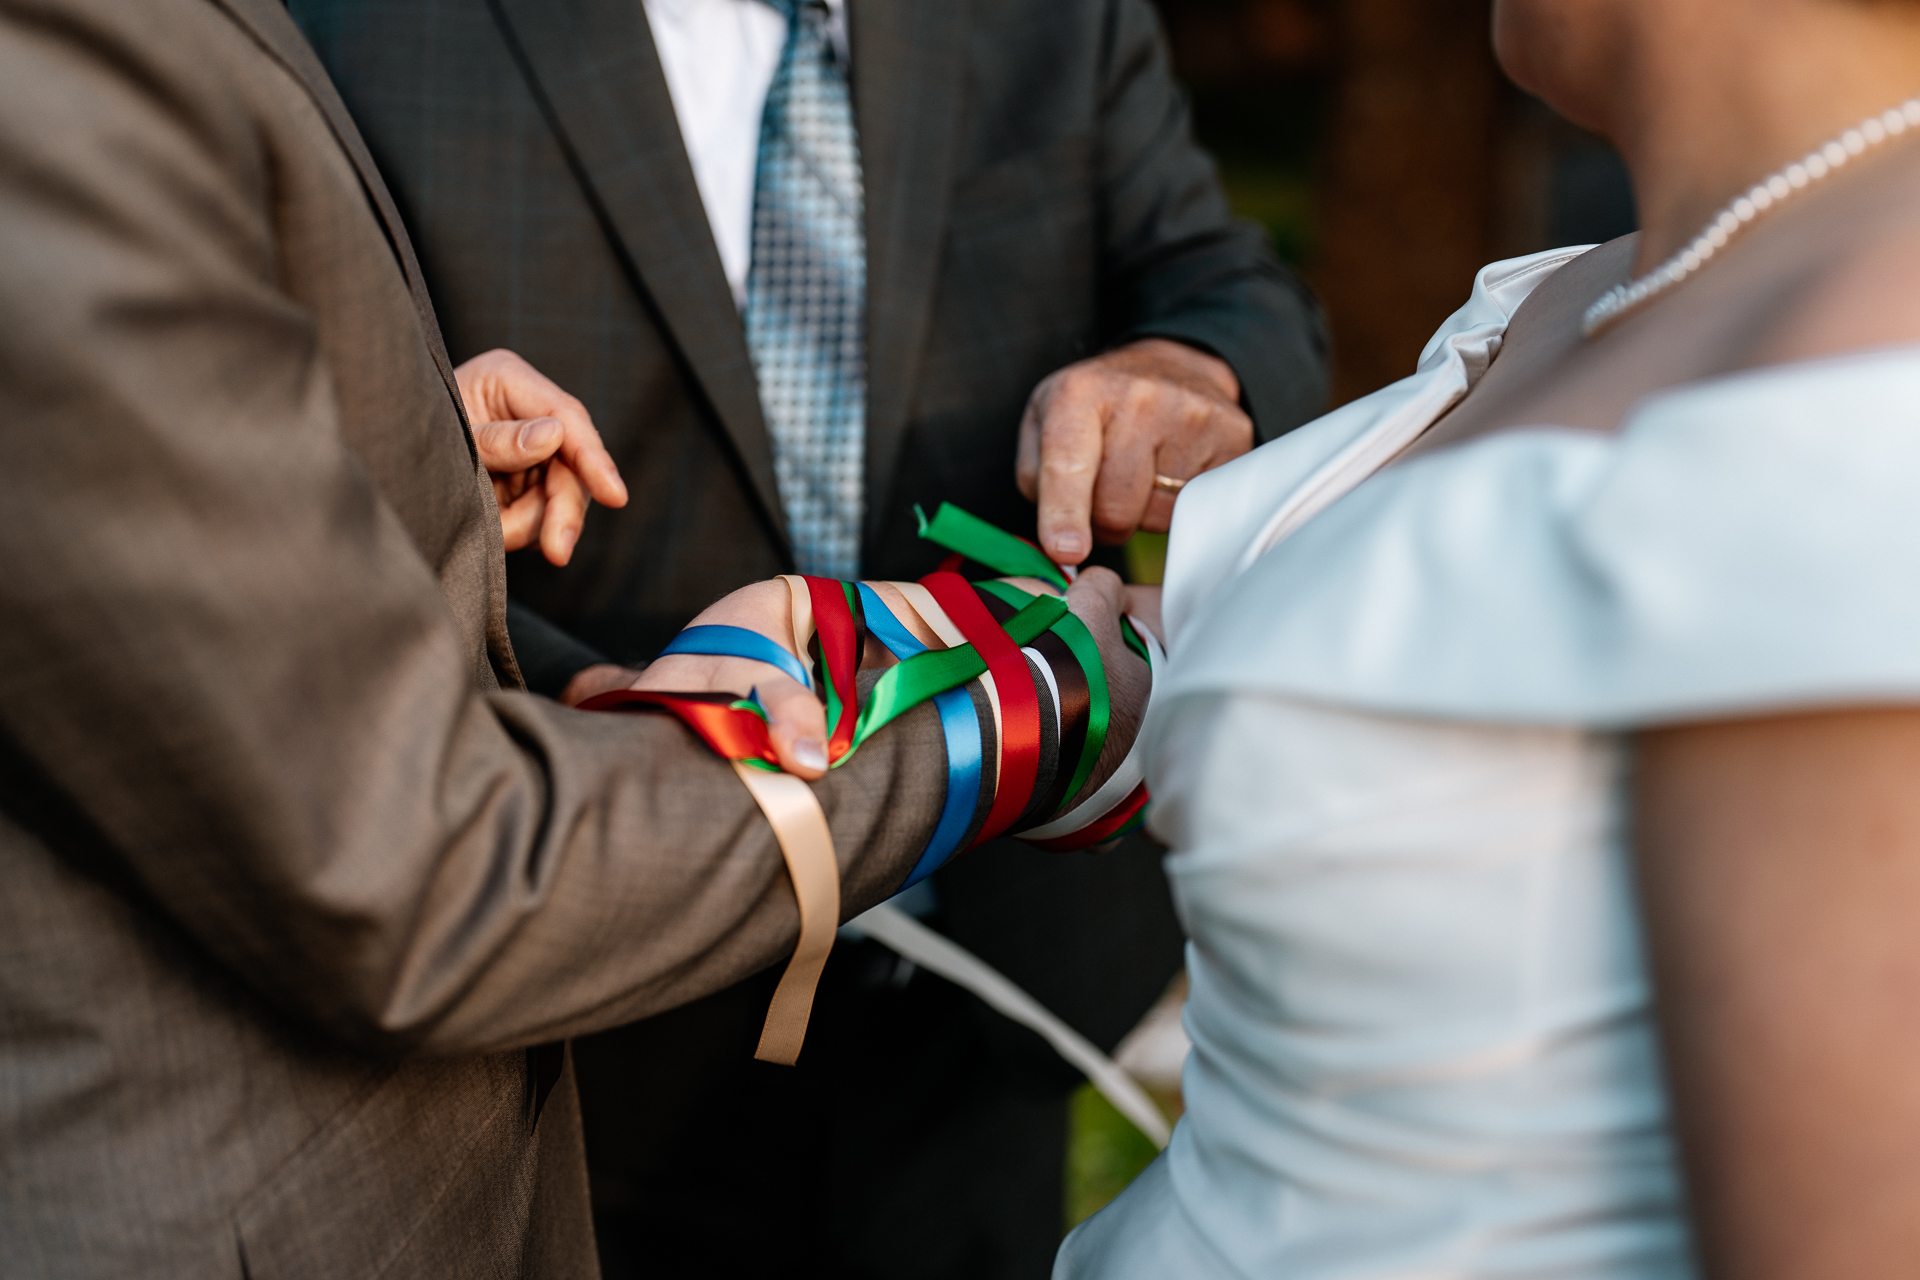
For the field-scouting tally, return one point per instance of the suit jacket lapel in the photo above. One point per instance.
(270, 24)
(908, 64)
(593, 67)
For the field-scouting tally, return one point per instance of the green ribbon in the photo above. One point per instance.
(979, 541)
(907, 684)
(1086, 650)
(974, 538)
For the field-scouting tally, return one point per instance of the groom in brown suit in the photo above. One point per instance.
(300, 890)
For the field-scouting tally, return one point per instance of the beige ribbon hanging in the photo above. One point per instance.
(800, 827)
(806, 842)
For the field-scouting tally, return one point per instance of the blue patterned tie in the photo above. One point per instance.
(807, 295)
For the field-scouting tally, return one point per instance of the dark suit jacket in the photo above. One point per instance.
(293, 873)
(1032, 197)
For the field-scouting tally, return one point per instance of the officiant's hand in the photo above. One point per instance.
(540, 447)
(1097, 433)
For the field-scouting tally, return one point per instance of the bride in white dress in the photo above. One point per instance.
(1501, 692)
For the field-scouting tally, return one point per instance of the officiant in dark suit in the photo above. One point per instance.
(808, 266)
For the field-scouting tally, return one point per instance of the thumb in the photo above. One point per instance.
(514, 444)
(796, 727)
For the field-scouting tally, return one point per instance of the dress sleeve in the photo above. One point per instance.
(1742, 545)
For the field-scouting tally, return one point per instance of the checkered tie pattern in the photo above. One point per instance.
(807, 295)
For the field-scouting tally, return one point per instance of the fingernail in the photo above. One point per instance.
(539, 433)
(1069, 545)
(810, 753)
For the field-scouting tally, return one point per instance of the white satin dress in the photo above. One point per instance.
(1389, 758)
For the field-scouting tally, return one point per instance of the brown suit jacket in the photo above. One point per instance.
(293, 874)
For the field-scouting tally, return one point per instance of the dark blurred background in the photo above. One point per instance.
(1388, 157)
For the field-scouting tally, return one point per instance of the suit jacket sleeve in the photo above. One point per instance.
(226, 654)
(1175, 263)
(549, 656)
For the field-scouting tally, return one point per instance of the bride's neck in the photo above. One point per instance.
(1714, 97)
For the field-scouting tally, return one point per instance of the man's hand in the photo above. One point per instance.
(1096, 433)
(539, 445)
(796, 720)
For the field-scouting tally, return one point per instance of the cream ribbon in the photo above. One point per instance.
(800, 827)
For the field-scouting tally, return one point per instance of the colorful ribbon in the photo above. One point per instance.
(991, 629)
(737, 642)
(1019, 704)
(958, 723)
(974, 538)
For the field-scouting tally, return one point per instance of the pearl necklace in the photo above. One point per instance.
(1623, 299)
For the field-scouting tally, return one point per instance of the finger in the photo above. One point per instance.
(1218, 434)
(499, 384)
(566, 513)
(583, 451)
(796, 726)
(514, 444)
(1071, 432)
(520, 520)
(1026, 466)
(1138, 420)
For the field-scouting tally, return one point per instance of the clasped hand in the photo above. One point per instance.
(797, 723)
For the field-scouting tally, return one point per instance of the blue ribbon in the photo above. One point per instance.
(962, 727)
(737, 642)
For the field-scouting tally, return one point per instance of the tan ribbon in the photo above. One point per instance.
(807, 845)
(806, 842)
(802, 613)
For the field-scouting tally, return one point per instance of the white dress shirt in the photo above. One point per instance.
(720, 57)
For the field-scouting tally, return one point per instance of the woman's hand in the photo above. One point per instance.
(539, 445)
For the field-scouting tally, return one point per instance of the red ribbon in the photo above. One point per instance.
(734, 732)
(1019, 704)
(840, 654)
(1103, 829)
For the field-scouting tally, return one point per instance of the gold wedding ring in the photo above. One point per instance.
(1168, 483)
